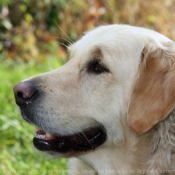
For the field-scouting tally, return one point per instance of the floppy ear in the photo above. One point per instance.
(153, 96)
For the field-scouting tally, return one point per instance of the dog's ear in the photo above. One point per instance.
(153, 95)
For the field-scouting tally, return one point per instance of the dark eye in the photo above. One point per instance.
(97, 67)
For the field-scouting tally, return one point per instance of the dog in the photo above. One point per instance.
(110, 108)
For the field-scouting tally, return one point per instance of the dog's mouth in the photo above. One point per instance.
(80, 142)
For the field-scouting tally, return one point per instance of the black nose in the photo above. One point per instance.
(24, 93)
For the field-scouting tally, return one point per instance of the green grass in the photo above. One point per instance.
(17, 155)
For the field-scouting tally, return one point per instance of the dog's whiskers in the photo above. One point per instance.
(70, 41)
(64, 40)
(64, 45)
(82, 133)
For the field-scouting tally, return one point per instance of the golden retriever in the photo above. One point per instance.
(110, 108)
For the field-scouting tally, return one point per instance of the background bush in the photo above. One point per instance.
(27, 26)
(33, 39)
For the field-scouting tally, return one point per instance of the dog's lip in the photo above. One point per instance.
(40, 134)
(84, 141)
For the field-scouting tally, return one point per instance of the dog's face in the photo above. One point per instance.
(84, 104)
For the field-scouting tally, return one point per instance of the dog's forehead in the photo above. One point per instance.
(120, 33)
(113, 38)
(106, 37)
(101, 37)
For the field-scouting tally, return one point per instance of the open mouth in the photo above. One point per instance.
(79, 142)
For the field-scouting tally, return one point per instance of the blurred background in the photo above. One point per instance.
(33, 39)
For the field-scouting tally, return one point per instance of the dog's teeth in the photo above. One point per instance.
(40, 136)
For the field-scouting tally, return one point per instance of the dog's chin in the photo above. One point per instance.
(70, 145)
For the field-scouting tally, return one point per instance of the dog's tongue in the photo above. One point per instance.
(85, 141)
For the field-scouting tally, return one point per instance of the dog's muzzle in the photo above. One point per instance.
(26, 96)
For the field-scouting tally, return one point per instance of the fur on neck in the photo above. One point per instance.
(162, 157)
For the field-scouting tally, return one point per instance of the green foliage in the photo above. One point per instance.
(31, 32)
(17, 153)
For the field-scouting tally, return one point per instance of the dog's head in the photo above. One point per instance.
(117, 77)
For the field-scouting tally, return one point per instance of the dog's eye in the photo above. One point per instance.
(97, 67)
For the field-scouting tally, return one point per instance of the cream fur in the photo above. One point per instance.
(119, 100)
